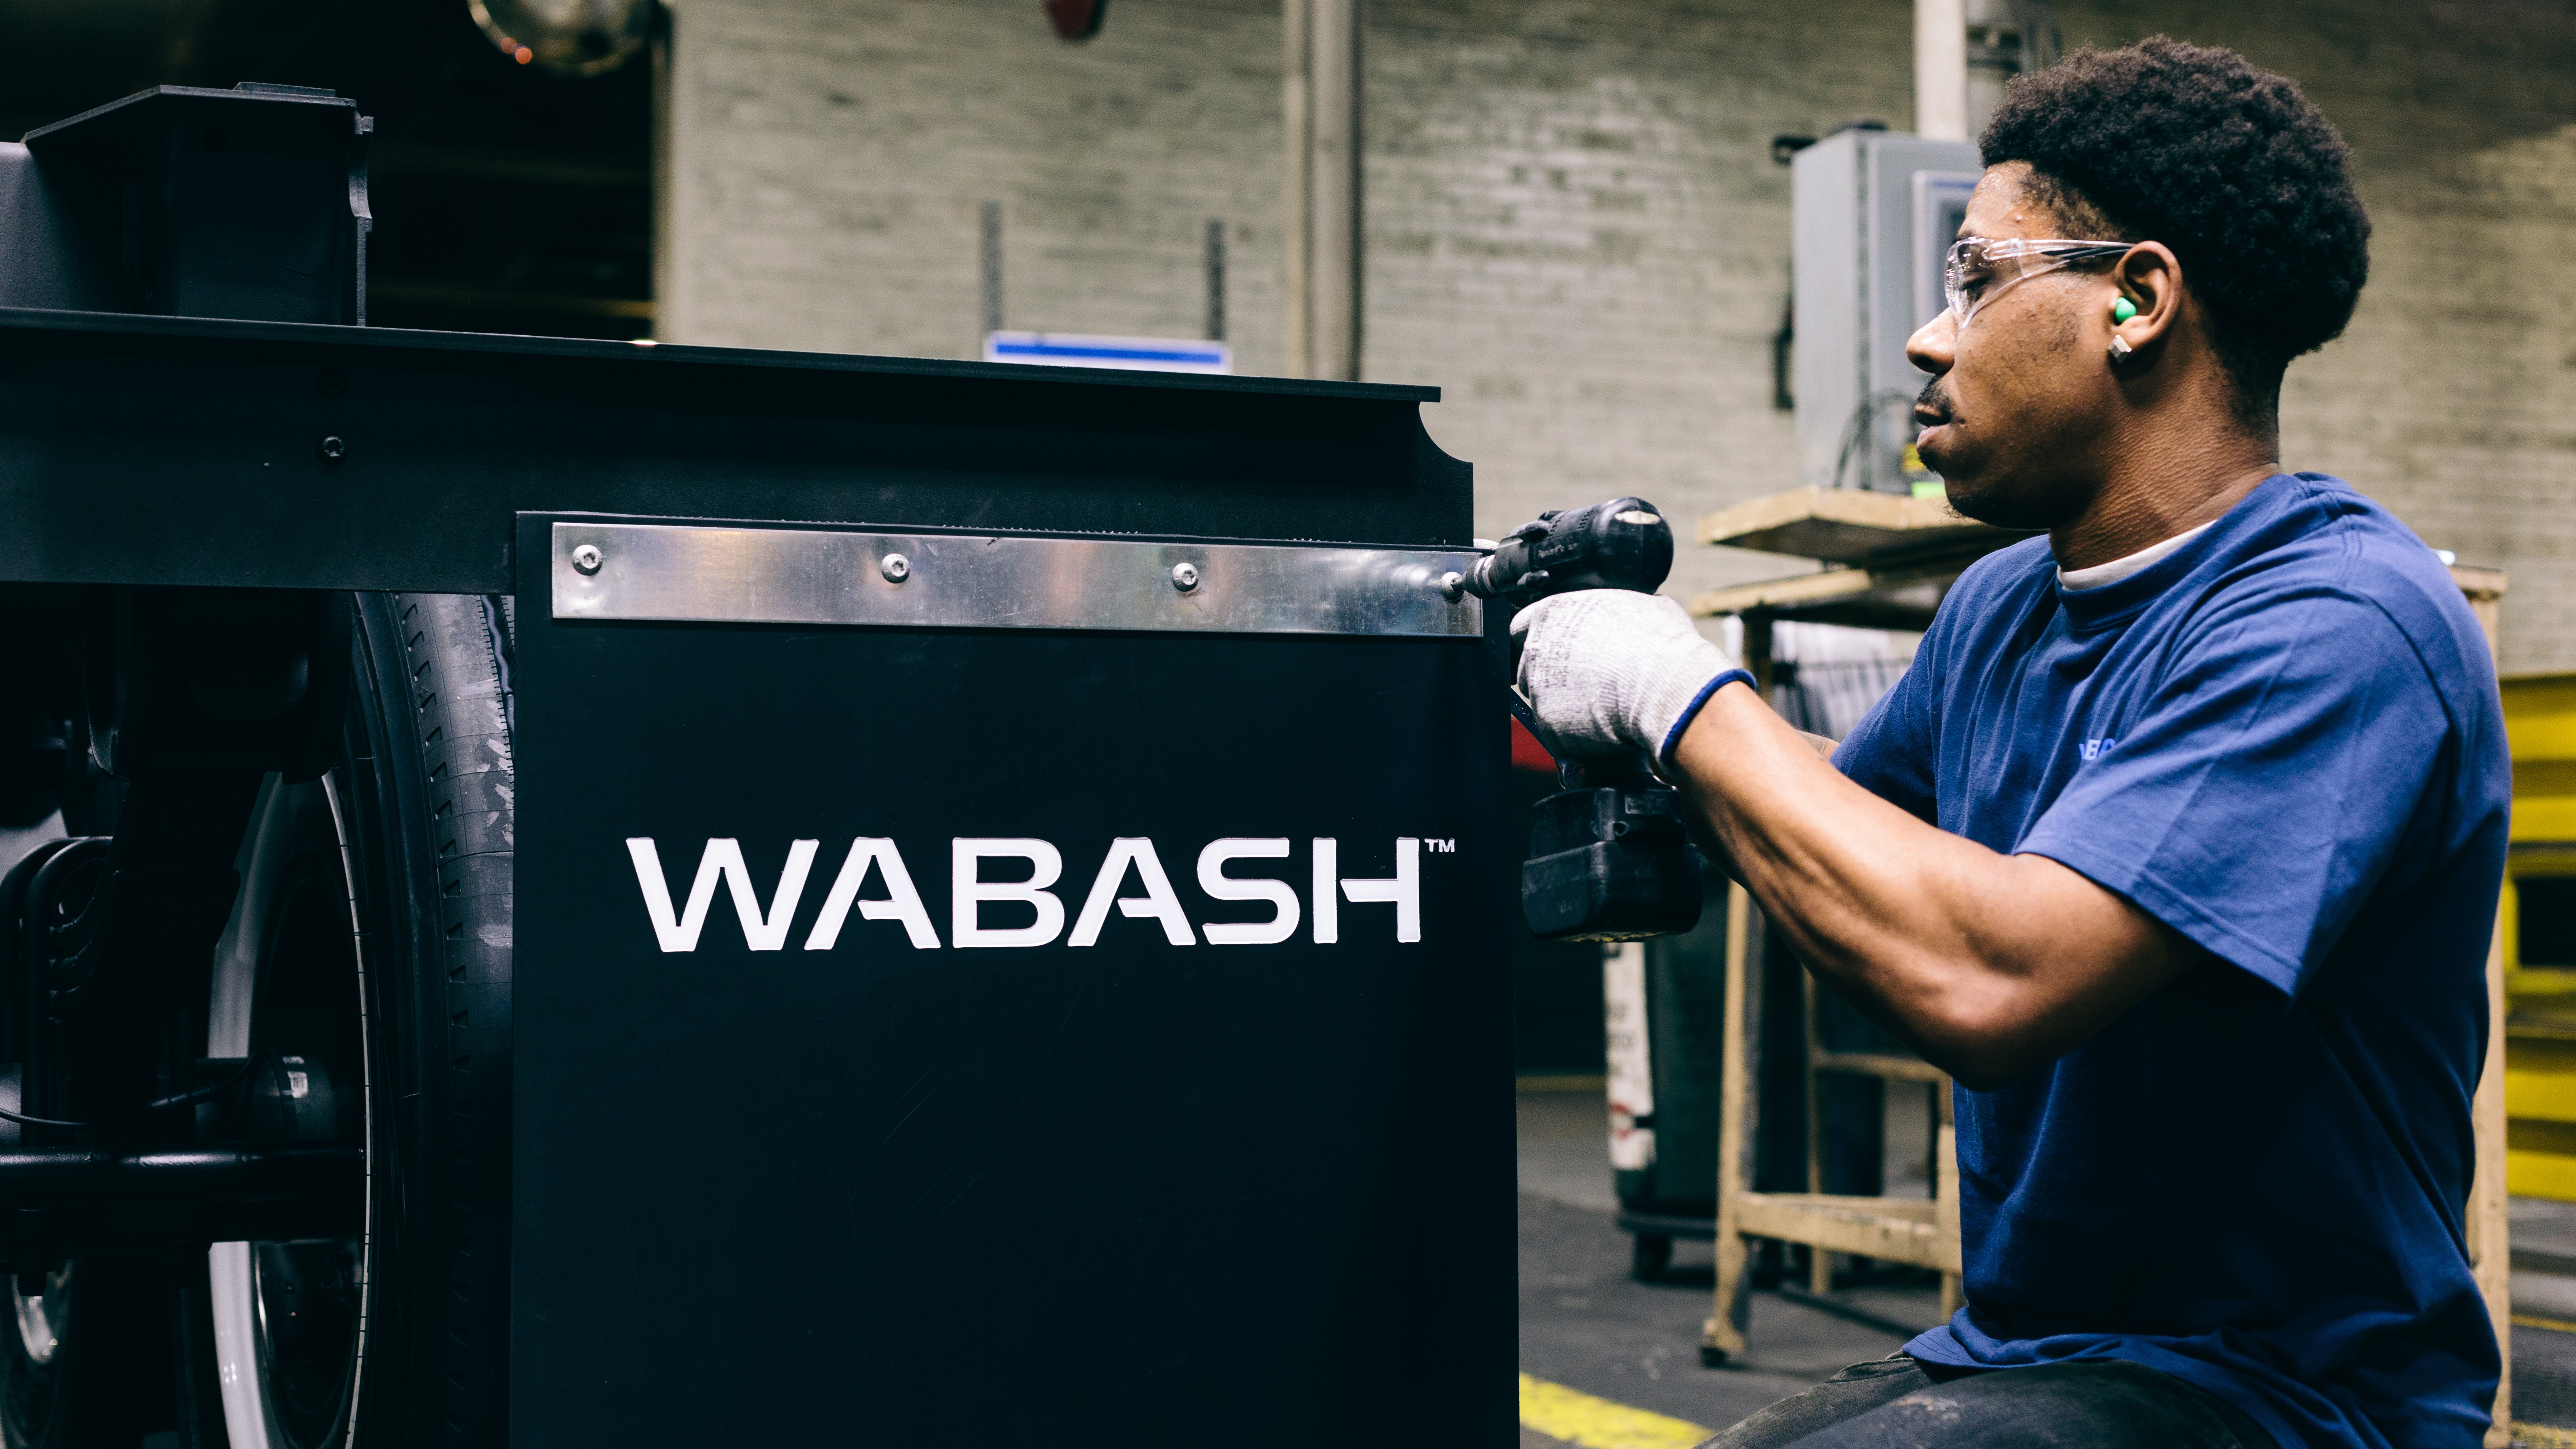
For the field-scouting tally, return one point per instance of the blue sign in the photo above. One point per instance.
(1138, 354)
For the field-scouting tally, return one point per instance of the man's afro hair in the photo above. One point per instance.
(2230, 166)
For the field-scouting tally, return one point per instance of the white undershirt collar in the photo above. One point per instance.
(2120, 568)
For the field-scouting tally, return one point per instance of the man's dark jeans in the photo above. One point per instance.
(1899, 1403)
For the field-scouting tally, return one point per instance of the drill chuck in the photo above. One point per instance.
(1622, 544)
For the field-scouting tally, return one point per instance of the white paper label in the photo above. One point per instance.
(1632, 1077)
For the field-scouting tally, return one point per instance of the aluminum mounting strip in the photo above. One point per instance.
(679, 572)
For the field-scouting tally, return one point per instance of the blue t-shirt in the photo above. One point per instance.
(2284, 741)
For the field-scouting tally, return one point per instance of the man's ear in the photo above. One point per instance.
(2149, 279)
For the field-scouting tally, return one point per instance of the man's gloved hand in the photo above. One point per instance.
(1609, 671)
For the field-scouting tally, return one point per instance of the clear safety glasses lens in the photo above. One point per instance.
(1979, 268)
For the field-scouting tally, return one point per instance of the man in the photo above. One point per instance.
(2179, 844)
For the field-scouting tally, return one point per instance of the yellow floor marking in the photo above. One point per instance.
(2534, 1320)
(1579, 1418)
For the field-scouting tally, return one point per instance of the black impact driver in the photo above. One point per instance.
(1608, 858)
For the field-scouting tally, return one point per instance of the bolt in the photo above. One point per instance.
(586, 558)
(331, 449)
(895, 567)
(1185, 576)
(1452, 584)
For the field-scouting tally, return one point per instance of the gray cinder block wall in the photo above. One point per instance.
(1576, 228)
(1574, 225)
(829, 161)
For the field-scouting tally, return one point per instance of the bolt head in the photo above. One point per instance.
(895, 567)
(587, 558)
(331, 449)
(1452, 585)
(1185, 576)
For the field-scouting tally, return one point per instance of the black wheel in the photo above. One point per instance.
(286, 1350)
(366, 967)
(385, 959)
(371, 946)
(1649, 1254)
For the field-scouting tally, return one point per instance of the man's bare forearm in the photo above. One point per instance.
(1992, 965)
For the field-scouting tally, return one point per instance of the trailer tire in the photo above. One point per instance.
(409, 1348)
(379, 934)
(426, 780)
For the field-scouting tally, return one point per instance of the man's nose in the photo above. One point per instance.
(1934, 344)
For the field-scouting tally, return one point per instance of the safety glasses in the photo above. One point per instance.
(1979, 269)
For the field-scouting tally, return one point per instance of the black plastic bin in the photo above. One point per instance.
(1664, 1020)
(1664, 1140)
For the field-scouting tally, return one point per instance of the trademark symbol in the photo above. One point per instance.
(1440, 847)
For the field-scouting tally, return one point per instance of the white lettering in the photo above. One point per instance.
(680, 929)
(763, 931)
(966, 892)
(1157, 903)
(1327, 895)
(1220, 886)
(1404, 888)
(902, 902)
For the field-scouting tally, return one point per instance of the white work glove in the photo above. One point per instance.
(1610, 672)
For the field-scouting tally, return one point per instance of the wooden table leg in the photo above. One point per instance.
(2490, 1248)
(1945, 1212)
(2489, 1235)
(1723, 1333)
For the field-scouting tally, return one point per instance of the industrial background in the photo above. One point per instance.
(1574, 217)
(1573, 222)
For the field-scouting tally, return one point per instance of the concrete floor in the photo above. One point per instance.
(2544, 1294)
(1564, 1146)
(1586, 1324)
(1589, 1326)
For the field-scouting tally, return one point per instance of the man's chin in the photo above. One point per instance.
(1974, 491)
(1958, 475)
(1987, 502)
(1967, 499)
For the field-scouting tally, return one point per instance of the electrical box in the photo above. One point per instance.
(1873, 213)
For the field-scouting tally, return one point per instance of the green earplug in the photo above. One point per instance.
(2122, 310)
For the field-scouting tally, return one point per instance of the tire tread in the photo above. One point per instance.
(456, 682)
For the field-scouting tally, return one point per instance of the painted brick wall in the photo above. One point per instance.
(829, 159)
(1575, 228)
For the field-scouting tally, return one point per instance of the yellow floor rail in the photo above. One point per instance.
(2538, 924)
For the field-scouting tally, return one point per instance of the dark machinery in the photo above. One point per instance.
(360, 1086)
(1609, 859)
